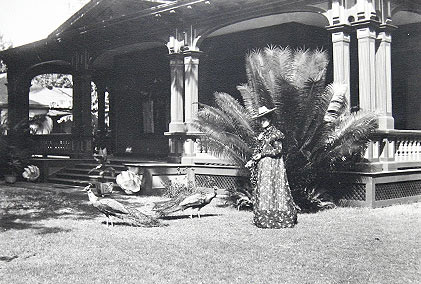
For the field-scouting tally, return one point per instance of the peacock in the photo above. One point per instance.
(197, 200)
(110, 207)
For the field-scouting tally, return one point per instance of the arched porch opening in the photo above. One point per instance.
(51, 103)
(137, 78)
(222, 67)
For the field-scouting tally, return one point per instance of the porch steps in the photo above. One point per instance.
(79, 174)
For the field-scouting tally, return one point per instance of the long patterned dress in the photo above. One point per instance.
(273, 203)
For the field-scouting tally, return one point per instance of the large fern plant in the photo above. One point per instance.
(322, 135)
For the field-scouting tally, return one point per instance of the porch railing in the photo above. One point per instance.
(399, 148)
(62, 145)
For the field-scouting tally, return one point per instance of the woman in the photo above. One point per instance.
(273, 203)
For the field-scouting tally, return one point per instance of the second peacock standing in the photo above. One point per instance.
(273, 204)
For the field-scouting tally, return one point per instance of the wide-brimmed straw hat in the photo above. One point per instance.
(129, 182)
(262, 111)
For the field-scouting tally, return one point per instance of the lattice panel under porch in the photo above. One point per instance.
(355, 192)
(397, 190)
(222, 182)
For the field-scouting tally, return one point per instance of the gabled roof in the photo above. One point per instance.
(104, 11)
(107, 25)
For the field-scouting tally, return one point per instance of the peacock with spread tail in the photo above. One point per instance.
(110, 207)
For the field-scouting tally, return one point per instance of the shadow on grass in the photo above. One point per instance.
(23, 208)
(126, 224)
(178, 217)
(8, 258)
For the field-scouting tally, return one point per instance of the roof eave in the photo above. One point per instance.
(75, 17)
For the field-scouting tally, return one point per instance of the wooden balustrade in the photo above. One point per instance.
(402, 147)
(201, 145)
(62, 144)
(396, 148)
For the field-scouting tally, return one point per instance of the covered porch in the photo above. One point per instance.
(158, 60)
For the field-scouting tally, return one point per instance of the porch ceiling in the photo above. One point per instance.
(111, 27)
(107, 25)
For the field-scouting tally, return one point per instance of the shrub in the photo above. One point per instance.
(322, 135)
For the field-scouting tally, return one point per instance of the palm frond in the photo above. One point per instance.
(352, 135)
(261, 75)
(216, 117)
(249, 97)
(228, 146)
(286, 100)
(312, 106)
(238, 114)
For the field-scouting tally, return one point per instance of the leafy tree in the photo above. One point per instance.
(53, 80)
(322, 135)
(3, 46)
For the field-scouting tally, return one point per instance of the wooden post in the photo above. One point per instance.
(367, 67)
(177, 92)
(341, 58)
(18, 97)
(384, 79)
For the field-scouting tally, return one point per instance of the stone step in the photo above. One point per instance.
(87, 171)
(90, 166)
(81, 175)
(90, 177)
(69, 181)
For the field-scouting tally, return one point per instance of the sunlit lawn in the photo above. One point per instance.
(52, 235)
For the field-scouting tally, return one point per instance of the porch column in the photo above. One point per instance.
(177, 90)
(184, 63)
(176, 126)
(100, 90)
(191, 93)
(112, 124)
(366, 36)
(18, 97)
(82, 118)
(384, 79)
(341, 57)
(191, 89)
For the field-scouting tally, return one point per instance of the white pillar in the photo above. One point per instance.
(191, 95)
(341, 57)
(177, 90)
(367, 67)
(191, 89)
(384, 80)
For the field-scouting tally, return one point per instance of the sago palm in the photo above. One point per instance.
(322, 136)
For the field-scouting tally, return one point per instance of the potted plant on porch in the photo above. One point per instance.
(103, 187)
(12, 162)
(13, 159)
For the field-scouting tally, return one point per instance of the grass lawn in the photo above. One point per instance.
(52, 235)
